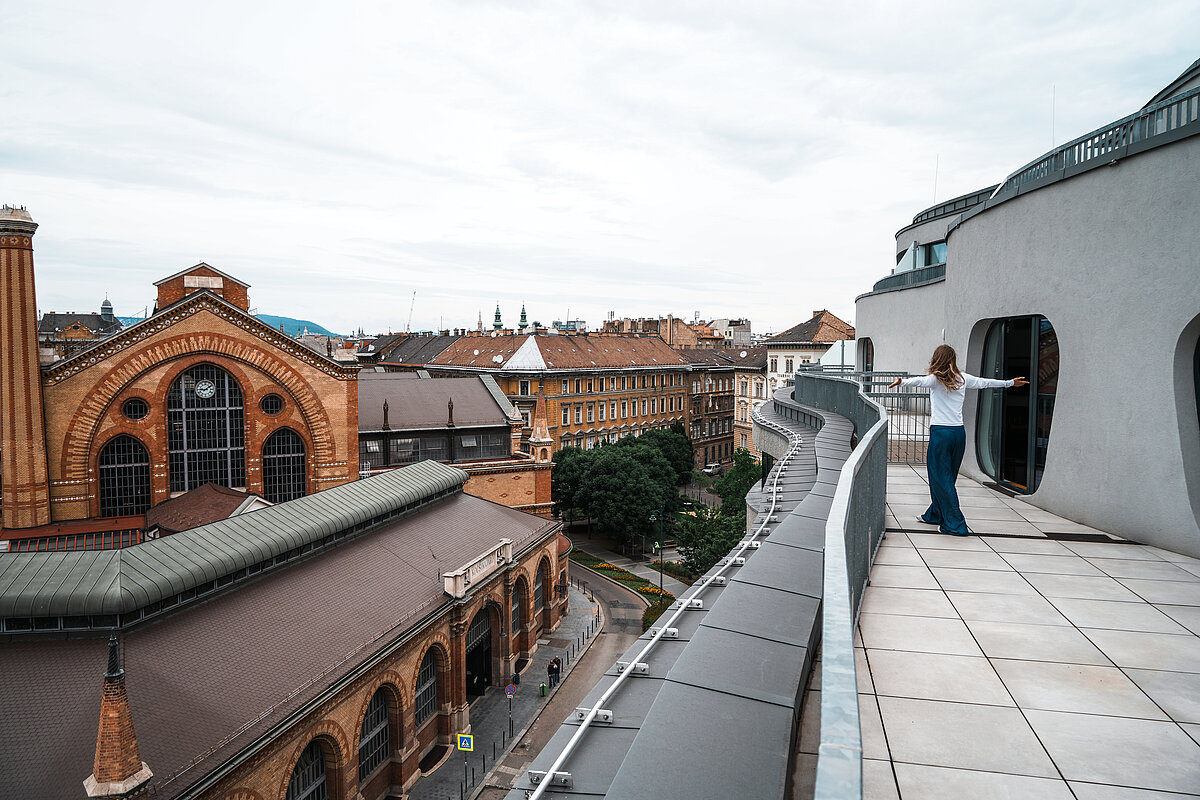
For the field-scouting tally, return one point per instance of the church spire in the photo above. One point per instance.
(497, 324)
(523, 324)
(118, 771)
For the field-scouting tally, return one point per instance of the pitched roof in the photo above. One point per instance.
(823, 328)
(421, 404)
(296, 631)
(202, 265)
(417, 350)
(559, 352)
(52, 322)
(200, 506)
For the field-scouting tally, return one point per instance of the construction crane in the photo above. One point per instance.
(408, 327)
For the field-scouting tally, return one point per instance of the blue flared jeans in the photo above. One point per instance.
(947, 444)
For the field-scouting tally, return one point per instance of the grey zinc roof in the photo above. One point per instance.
(717, 714)
(69, 583)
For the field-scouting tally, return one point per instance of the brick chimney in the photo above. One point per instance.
(118, 771)
(24, 485)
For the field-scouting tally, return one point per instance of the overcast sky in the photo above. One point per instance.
(728, 158)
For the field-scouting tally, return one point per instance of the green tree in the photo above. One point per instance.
(566, 480)
(658, 469)
(738, 480)
(675, 446)
(619, 491)
(706, 535)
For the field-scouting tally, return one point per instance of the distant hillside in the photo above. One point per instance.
(293, 327)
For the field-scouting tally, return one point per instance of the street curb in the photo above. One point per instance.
(483, 782)
(615, 582)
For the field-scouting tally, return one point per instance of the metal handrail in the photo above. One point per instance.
(1148, 123)
(660, 627)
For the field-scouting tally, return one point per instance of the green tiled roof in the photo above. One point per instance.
(99, 582)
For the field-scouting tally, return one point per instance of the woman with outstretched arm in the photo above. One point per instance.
(947, 386)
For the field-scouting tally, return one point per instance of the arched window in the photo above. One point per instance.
(283, 466)
(866, 354)
(516, 608)
(308, 778)
(1013, 430)
(124, 477)
(538, 596)
(206, 430)
(426, 694)
(373, 743)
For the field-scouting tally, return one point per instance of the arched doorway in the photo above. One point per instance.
(479, 653)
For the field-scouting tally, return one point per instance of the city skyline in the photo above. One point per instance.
(574, 160)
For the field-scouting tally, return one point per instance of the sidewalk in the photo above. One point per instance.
(490, 713)
(640, 568)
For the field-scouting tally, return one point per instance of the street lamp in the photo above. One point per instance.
(658, 516)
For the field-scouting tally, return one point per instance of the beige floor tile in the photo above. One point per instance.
(1098, 791)
(906, 512)
(982, 580)
(1172, 556)
(1103, 550)
(965, 559)
(1055, 565)
(1005, 608)
(942, 541)
(1119, 750)
(899, 556)
(983, 527)
(917, 634)
(1177, 693)
(1192, 731)
(895, 539)
(879, 782)
(1035, 642)
(913, 602)
(1165, 651)
(874, 743)
(1086, 587)
(942, 783)
(902, 577)
(1066, 526)
(1175, 593)
(934, 676)
(1116, 615)
(1133, 568)
(1026, 545)
(1078, 688)
(963, 735)
(1187, 616)
(862, 671)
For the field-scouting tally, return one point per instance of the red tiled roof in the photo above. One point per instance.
(823, 328)
(200, 506)
(568, 353)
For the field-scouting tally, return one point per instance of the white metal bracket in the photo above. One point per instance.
(558, 779)
(602, 715)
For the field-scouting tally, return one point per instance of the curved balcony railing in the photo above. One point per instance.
(912, 277)
(1161, 123)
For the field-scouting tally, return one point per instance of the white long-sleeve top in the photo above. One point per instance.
(948, 403)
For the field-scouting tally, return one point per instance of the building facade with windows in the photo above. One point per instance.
(200, 392)
(1079, 271)
(750, 378)
(710, 404)
(594, 388)
(802, 345)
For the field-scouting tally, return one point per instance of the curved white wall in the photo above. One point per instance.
(1112, 258)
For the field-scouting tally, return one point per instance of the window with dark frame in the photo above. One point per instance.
(124, 477)
(373, 738)
(283, 467)
(426, 695)
(135, 408)
(206, 430)
(308, 777)
(272, 404)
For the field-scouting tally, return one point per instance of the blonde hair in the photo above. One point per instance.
(943, 365)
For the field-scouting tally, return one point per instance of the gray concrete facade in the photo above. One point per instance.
(1110, 255)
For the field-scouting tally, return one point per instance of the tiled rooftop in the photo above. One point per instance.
(1024, 661)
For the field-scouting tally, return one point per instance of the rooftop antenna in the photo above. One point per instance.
(937, 157)
(408, 325)
(1053, 99)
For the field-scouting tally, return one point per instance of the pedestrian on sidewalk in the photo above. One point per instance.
(552, 673)
(947, 386)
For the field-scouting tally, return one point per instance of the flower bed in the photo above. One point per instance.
(677, 571)
(625, 578)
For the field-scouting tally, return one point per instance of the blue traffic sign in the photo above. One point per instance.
(510, 690)
(466, 741)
